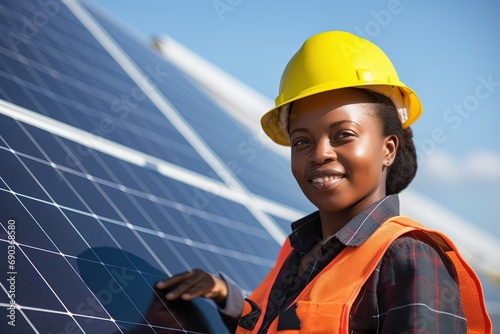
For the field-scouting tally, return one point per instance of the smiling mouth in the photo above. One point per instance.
(327, 182)
(326, 179)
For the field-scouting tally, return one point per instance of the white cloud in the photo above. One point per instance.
(477, 166)
(485, 164)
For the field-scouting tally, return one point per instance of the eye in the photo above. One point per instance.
(300, 142)
(344, 134)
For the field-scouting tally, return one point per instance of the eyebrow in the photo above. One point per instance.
(333, 125)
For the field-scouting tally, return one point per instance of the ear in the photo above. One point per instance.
(391, 144)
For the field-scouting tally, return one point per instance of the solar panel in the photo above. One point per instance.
(117, 171)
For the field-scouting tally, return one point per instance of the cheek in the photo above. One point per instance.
(364, 159)
(296, 169)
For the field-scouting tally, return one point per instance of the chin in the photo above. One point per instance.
(329, 205)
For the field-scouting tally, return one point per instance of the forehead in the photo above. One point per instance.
(343, 103)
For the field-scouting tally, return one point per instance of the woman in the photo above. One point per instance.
(355, 265)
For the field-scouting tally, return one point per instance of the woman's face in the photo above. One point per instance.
(338, 151)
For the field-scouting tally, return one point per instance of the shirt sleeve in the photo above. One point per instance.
(235, 299)
(417, 289)
(232, 309)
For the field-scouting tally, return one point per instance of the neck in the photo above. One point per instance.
(332, 222)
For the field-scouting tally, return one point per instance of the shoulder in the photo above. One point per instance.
(412, 241)
(416, 254)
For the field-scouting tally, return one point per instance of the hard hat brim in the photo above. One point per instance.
(270, 122)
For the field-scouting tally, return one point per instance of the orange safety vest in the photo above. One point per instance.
(323, 308)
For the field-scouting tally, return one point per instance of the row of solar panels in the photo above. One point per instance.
(117, 171)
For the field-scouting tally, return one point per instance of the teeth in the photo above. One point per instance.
(325, 179)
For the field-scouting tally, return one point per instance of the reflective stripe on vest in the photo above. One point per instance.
(322, 308)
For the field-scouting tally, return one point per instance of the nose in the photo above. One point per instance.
(323, 152)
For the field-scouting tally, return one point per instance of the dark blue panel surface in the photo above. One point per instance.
(29, 232)
(31, 288)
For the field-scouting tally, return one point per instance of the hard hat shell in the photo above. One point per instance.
(334, 60)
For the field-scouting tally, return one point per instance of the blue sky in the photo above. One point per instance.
(447, 51)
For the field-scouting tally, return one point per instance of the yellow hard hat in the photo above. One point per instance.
(333, 60)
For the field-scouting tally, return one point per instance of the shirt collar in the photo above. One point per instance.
(307, 231)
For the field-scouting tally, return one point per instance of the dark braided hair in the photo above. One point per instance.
(403, 169)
